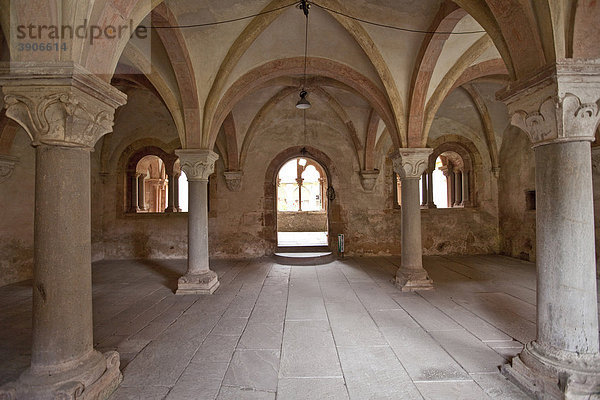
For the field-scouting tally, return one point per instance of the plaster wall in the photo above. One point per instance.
(517, 176)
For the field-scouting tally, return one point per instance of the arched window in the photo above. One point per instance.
(448, 180)
(153, 182)
(300, 186)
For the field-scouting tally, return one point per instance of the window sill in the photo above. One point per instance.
(153, 215)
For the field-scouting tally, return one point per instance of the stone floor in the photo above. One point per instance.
(272, 331)
(298, 239)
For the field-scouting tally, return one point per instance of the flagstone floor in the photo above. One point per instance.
(335, 331)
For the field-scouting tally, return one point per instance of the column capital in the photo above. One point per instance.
(559, 104)
(233, 180)
(411, 163)
(59, 104)
(198, 164)
(368, 178)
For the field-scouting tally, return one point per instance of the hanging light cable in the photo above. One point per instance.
(303, 103)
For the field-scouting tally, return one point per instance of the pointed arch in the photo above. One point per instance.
(295, 66)
(448, 16)
(447, 83)
(261, 22)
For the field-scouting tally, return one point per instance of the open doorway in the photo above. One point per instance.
(301, 204)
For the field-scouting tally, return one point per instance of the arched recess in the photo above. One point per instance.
(127, 164)
(355, 29)
(259, 76)
(469, 153)
(316, 91)
(270, 191)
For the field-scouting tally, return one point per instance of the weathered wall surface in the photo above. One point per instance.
(242, 224)
(307, 221)
(517, 176)
(16, 217)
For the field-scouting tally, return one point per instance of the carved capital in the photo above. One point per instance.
(411, 163)
(368, 178)
(7, 166)
(233, 179)
(59, 103)
(197, 164)
(560, 104)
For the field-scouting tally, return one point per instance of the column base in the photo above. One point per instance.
(94, 378)
(205, 283)
(413, 281)
(171, 210)
(548, 373)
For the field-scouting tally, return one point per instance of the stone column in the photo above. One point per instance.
(430, 203)
(410, 165)
(132, 188)
(299, 181)
(558, 109)
(172, 184)
(457, 188)
(176, 192)
(450, 181)
(424, 189)
(466, 199)
(65, 110)
(141, 191)
(198, 165)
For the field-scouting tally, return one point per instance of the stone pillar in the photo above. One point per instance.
(430, 203)
(198, 165)
(299, 181)
(410, 165)
(172, 183)
(457, 188)
(424, 189)
(558, 109)
(65, 110)
(466, 199)
(176, 192)
(450, 181)
(132, 188)
(140, 183)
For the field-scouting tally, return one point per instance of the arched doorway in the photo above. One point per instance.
(301, 203)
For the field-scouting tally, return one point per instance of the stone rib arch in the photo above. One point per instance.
(448, 16)
(447, 83)
(259, 76)
(282, 94)
(583, 41)
(486, 122)
(260, 23)
(160, 84)
(179, 57)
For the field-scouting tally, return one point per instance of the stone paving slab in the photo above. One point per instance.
(271, 331)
